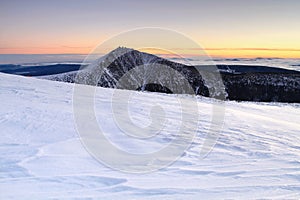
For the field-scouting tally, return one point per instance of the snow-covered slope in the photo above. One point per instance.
(256, 156)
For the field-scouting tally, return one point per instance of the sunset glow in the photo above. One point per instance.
(232, 29)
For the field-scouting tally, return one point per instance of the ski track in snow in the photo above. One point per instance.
(256, 156)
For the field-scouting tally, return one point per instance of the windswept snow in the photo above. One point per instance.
(256, 156)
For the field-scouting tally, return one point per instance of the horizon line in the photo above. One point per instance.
(212, 49)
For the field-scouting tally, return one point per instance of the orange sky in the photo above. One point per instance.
(268, 28)
(213, 52)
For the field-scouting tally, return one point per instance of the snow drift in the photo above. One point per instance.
(257, 154)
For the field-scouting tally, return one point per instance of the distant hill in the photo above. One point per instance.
(126, 68)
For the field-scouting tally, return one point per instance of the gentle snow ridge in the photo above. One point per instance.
(257, 154)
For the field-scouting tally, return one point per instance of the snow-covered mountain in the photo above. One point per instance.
(257, 154)
(126, 68)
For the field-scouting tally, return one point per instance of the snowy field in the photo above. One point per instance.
(257, 154)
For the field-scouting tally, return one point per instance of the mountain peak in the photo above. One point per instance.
(121, 50)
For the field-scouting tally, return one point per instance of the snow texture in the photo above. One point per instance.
(256, 156)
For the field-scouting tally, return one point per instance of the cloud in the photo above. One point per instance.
(241, 49)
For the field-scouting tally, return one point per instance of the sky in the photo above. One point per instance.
(226, 28)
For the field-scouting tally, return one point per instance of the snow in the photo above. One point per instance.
(257, 154)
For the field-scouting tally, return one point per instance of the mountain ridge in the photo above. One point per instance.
(142, 72)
